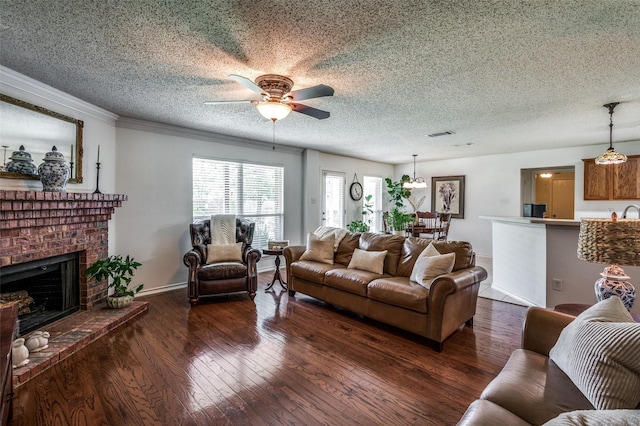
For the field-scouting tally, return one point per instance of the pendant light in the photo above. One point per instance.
(415, 183)
(611, 156)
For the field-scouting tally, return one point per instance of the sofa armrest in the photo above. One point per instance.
(542, 328)
(252, 258)
(291, 254)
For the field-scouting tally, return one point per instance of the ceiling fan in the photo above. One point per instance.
(277, 98)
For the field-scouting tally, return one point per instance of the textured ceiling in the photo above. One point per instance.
(505, 76)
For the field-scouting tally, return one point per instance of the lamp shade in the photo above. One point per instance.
(273, 110)
(608, 241)
(611, 156)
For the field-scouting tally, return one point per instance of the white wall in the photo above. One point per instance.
(155, 171)
(492, 186)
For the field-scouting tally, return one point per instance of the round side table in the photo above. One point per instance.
(277, 276)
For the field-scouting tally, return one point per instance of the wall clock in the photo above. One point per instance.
(355, 190)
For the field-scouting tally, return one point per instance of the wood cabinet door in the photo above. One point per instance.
(596, 181)
(626, 180)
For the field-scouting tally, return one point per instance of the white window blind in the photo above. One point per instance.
(250, 191)
(372, 185)
(333, 208)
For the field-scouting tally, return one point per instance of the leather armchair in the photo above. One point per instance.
(222, 277)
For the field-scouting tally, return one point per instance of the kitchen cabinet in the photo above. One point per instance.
(612, 181)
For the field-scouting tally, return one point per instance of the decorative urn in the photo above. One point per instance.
(21, 162)
(54, 171)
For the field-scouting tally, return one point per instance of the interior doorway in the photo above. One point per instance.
(552, 186)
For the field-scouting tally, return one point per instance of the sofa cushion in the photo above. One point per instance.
(310, 270)
(534, 388)
(222, 270)
(319, 249)
(599, 351)
(485, 413)
(345, 250)
(372, 261)
(399, 291)
(351, 280)
(380, 242)
(429, 266)
(411, 249)
(462, 249)
(597, 418)
(224, 253)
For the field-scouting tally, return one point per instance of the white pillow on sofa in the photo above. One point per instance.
(319, 249)
(431, 264)
(600, 352)
(371, 261)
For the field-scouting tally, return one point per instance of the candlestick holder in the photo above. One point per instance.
(97, 191)
(71, 169)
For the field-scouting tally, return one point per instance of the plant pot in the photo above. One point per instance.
(118, 302)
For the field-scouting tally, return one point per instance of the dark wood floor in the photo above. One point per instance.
(279, 361)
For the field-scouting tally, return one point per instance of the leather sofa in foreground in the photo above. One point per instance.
(434, 309)
(600, 356)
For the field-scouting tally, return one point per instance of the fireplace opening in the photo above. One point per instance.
(46, 289)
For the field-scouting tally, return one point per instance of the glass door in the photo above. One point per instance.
(333, 188)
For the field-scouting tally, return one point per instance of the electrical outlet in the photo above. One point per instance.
(556, 284)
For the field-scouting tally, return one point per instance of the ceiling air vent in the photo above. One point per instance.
(435, 135)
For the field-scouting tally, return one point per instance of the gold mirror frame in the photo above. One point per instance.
(34, 142)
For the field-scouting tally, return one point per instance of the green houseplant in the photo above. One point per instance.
(118, 272)
(363, 225)
(399, 220)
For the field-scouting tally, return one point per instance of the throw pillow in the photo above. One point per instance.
(596, 418)
(319, 249)
(339, 234)
(429, 266)
(371, 261)
(599, 352)
(224, 253)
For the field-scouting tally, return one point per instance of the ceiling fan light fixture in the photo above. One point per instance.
(273, 110)
(416, 182)
(611, 156)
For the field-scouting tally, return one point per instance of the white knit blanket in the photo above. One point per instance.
(223, 229)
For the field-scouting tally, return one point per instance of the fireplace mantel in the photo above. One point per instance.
(36, 225)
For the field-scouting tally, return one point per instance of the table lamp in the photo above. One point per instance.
(616, 242)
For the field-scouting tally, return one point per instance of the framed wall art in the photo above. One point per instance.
(447, 195)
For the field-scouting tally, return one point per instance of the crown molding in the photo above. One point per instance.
(34, 90)
(184, 132)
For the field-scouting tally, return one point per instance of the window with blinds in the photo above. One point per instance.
(372, 185)
(250, 191)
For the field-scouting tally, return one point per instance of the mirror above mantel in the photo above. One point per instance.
(38, 129)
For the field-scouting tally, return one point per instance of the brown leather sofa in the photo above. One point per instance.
(530, 389)
(434, 312)
(210, 279)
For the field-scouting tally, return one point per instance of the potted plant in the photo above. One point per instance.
(399, 220)
(363, 225)
(118, 272)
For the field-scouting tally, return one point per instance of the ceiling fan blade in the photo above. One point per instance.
(228, 102)
(312, 112)
(311, 92)
(246, 83)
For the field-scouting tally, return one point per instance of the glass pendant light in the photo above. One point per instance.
(415, 183)
(611, 156)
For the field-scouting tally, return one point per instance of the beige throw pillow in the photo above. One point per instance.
(319, 249)
(431, 264)
(600, 352)
(224, 253)
(371, 261)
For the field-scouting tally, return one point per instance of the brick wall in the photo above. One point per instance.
(37, 225)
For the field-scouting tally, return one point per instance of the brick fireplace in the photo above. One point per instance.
(37, 225)
(40, 225)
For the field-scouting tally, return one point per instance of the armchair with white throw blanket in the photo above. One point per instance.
(222, 260)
